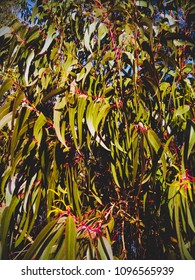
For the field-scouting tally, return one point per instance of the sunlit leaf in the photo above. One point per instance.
(28, 64)
(154, 140)
(5, 120)
(88, 34)
(104, 249)
(5, 86)
(49, 39)
(40, 122)
(70, 239)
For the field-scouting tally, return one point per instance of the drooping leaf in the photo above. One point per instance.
(5, 86)
(104, 249)
(49, 39)
(28, 64)
(70, 239)
(154, 140)
(88, 34)
(6, 218)
(42, 236)
(5, 120)
(40, 122)
(60, 104)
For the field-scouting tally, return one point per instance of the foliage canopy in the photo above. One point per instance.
(97, 131)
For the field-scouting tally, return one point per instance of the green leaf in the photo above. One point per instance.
(53, 93)
(90, 254)
(114, 174)
(5, 120)
(109, 56)
(5, 86)
(59, 128)
(6, 226)
(42, 236)
(189, 218)
(36, 207)
(49, 39)
(40, 122)
(182, 110)
(70, 239)
(185, 251)
(163, 157)
(88, 68)
(33, 34)
(77, 200)
(82, 101)
(191, 141)
(28, 64)
(5, 109)
(87, 36)
(111, 224)
(50, 248)
(81, 75)
(102, 31)
(72, 114)
(154, 140)
(22, 235)
(104, 249)
(94, 116)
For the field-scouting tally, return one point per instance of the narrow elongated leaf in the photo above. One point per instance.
(33, 34)
(94, 115)
(90, 252)
(72, 115)
(28, 64)
(87, 36)
(23, 234)
(49, 39)
(102, 31)
(5, 225)
(59, 128)
(104, 249)
(154, 140)
(5, 86)
(40, 122)
(42, 236)
(49, 251)
(189, 219)
(82, 101)
(36, 208)
(114, 174)
(5, 120)
(70, 239)
(191, 141)
(5, 109)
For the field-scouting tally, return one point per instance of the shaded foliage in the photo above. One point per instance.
(97, 131)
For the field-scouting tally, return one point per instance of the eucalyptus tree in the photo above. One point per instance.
(97, 131)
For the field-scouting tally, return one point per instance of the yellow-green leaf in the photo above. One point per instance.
(5, 86)
(154, 140)
(70, 239)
